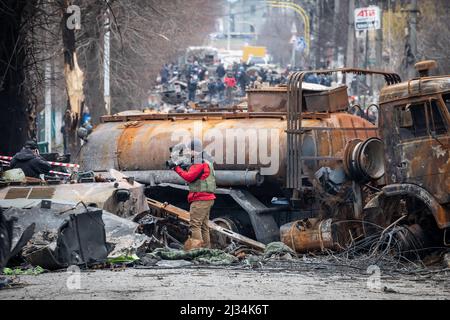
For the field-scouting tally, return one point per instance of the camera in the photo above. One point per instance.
(179, 157)
(172, 164)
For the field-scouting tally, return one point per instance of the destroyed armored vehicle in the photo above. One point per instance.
(119, 195)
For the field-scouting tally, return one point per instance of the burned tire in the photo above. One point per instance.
(404, 223)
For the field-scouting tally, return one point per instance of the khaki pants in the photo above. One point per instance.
(199, 215)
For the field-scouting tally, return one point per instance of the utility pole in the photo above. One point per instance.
(350, 58)
(48, 105)
(48, 98)
(379, 52)
(336, 18)
(318, 38)
(106, 63)
(293, 40)
(379, 44)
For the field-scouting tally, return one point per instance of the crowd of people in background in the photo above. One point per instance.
(224, 84)
(218, 84)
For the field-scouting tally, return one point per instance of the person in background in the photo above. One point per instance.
(202, 73)
(29, 160)
(242, 79)
(211, 89)
(192, 87)
(312, 77)
(164, 74)
(220, 88)
(220, 71)
(230, 84)
(86, 116)
(257, 84)
(86, 120)
(325, 80)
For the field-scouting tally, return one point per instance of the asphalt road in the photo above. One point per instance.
(227, 283)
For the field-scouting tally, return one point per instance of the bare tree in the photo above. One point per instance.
(17, 100)
(147, 34)
(433, 33)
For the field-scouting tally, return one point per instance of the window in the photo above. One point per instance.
(446, 98)
(436, 121)
(412, 121)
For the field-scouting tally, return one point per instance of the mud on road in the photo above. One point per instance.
(230, 283)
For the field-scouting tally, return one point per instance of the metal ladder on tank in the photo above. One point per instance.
(295, 159)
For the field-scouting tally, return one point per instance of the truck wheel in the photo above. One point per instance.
(405, 224)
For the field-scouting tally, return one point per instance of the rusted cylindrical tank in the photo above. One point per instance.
(315, 235)
(242, 141)
(309, 235)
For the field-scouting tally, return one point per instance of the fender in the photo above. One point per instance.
(441, 214)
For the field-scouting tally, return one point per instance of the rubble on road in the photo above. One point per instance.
(198, 256)
(140, 246)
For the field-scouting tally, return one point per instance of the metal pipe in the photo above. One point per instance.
(228, 178)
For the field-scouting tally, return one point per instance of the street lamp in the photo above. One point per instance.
(294, 43)
(298, 9)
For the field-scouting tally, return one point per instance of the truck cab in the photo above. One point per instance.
(414, 126)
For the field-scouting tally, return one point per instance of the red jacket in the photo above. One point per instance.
(191, 175)
(230, 82)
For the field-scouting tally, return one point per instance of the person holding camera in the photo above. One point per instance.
(199, 174)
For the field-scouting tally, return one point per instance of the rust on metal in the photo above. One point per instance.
(414, 88)
(267, 99)
(314, 235)
(41, 193)
(144, 146)
(295, 116)
(415, 130)
(191, 116)
(15, 193)
(440, 213)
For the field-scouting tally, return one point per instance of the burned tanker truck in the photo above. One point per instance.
(297, 166)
